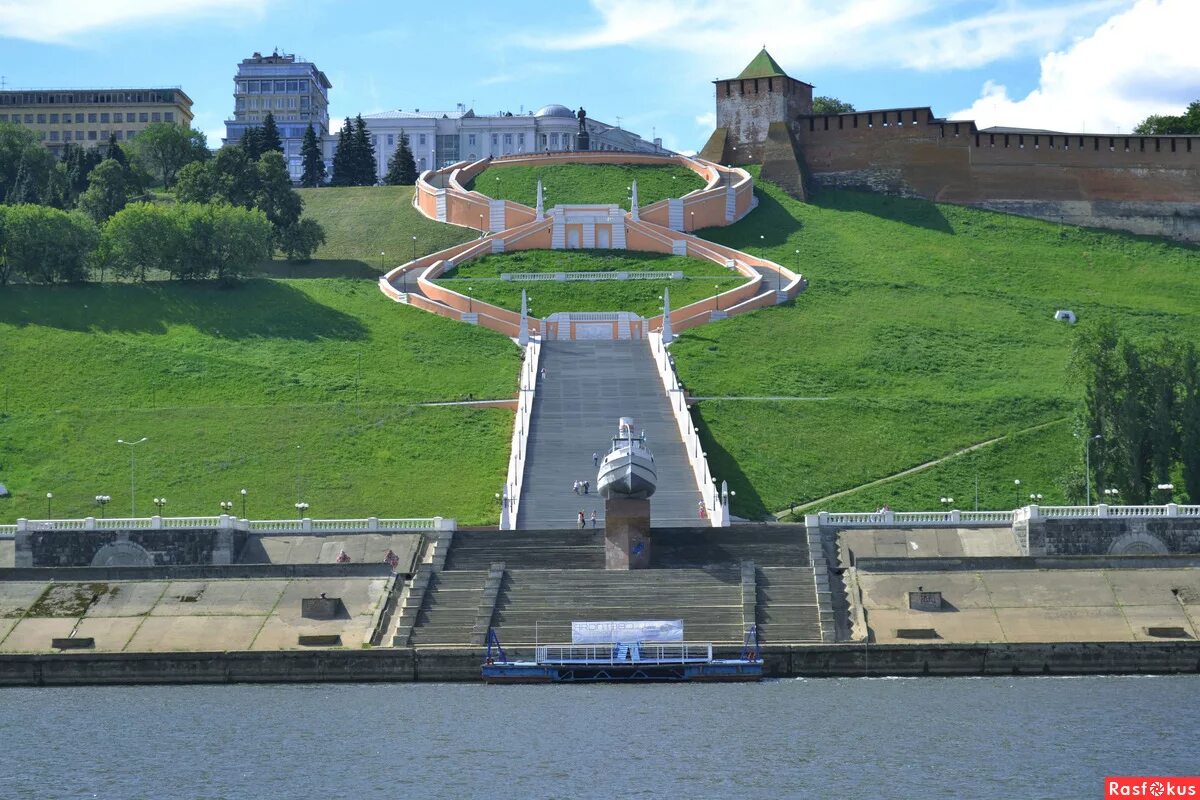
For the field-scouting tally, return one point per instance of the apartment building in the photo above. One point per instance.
(89, 117)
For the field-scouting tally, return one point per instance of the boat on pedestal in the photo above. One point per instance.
(627, 471)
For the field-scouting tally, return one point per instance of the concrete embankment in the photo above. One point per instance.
(462, 664)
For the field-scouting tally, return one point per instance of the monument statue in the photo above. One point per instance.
(584, 140)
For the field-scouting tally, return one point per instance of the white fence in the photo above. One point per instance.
(511, 501)
(718, 511)
(227, 522)
(8, 531)
(876, 519)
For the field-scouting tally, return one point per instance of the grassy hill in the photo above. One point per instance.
(926, 329)
(481, 279)
(227, 383)
(586, 183)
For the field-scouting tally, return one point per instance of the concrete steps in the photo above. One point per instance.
(566, 549)
(589, 385)
(675, 213)
(447, 614)
(765, 545)
(787, 605)
(496, 220)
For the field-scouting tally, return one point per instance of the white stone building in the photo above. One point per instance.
(439, 138)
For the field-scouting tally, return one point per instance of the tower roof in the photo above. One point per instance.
(763, 66)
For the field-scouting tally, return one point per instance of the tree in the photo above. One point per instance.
(115, 152)
(22, 161)
(269, 136)
(4, 264)
(1165, 124)
(252, 142)
(165, 147)
(1095, 359)
(343, 157)
(275, 196)
(364, 155)
(1189, 421)
(314, 163)
(141, 239)
(107, 192)
(830, 105)
(299, 241)
(220, 240)
(402, 168)
(46, 245)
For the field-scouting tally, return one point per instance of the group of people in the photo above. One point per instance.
(582, 487)
(583, 521)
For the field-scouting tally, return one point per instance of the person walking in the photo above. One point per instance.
(575, 487)
(595, 459)
(587, 485)
(581, 518)
(593, 517)
(703, 509)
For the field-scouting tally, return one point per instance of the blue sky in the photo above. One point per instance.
(1070, 65)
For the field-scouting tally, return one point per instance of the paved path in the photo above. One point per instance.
(587, 388)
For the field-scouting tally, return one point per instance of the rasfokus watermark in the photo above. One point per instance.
(1151, 786)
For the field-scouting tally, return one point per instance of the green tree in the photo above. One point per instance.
(1133, 427)
(221, 241)
(402, 168)
(269, 137)
(4, 264)
(1094, 359)
(141, 239)
(107, 192)
(314, 164)
(1189, 421)
(1165, 124)
(114, 151)
(299, 241)
(830, 105)
(275, 195)
(47, 245)
(364, 155)
(343, 157)
(24, 165)
(252, 142)
(164, 148)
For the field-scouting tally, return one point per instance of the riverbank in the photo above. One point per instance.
(405, 665)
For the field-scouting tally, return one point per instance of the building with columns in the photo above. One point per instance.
(440, 138)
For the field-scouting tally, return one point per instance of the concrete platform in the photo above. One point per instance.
(7, 552)
(1064, 605)
(313, 549)
(926, 543)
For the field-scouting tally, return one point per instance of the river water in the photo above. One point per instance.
(826, 738)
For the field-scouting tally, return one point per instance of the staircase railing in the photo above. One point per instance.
(716, 511)
(527, 388)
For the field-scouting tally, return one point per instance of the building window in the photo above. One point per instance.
(78, 118)
(91, 136)
(495, 140)
(293, 86)
(421, 139)
(391, 139)
(279, 103)
(120, 135)
(554, 140)
(254, 104)
(241, 87)
(251, 87)
(291, 102)
(129, 134)
(92, 118)
(508, 138)
(168, 116)
(54, 119)
(3, 117)
(304, 86)
(41, 118)
(304, 102)
(118, 116)
(280, 87)
(521, 139)
(471, 139)
(156, 117)
(54, 136)
(66, 136)
(104, 117)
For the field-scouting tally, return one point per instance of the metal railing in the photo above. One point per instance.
(647, 653)
(227, 522)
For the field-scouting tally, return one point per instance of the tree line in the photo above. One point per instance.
(1167, 124)
(1143, 401)
(354, 158)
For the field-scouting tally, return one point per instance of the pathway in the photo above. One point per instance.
(587, 388)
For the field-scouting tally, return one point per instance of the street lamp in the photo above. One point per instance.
(717, 289)
(160, 502)
(102, 500)
(693, 213)
(381, 255)
(414, 258)
(1017, 487)
(226, 506)
(244, 493)
(470, 299)
(481, 226)
(1166, 488)
(1035, 498)
(1087, 450)
(301, 507)
(49, 497)
(947, 501)
(1112, 495)
(132, 473)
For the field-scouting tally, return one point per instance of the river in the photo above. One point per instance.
(825, 738)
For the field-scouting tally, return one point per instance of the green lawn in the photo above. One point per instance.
(481, 279)
(226, 383)
(930, 327)
(586, 183)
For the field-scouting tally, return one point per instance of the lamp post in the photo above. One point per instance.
(1087, 451)
(717, 296)
(381, 255)
(947, 502)
(132, 473)
(481, 226)
(244, 493)
(1112, 496)
(1017, 488)
(1035, 498)
(1166, 489)
(160, 502)
(301, 508)
(226, 506)
(693, 213)
(470, 300)
(49, 497)
(102, 500)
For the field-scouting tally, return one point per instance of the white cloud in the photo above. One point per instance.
(707, 120)
(60, 21)
(1140, 62)
(804, 34)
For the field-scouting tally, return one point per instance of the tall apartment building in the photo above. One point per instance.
(90, 116)
(294, 91)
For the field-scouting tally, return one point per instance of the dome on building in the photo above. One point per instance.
(554, 110)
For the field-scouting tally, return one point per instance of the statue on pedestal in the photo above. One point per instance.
(584, 138)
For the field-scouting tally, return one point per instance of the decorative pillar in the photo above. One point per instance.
(523, 333)
(667, 336)
(541, 214)
(633, 203)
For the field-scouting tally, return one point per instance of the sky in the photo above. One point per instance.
(648, 65)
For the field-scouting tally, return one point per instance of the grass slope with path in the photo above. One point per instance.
(481, 279)
(929, 328)
(571, 184)
(227, 383)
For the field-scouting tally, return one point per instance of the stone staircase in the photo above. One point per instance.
(730, 202)
(448, 610)
(787, 605)
(558, 235)
(539, 605)
(675, 214)
(565, 549)
(588, 386)
(496, 221)
(701, 547)
(618, 230)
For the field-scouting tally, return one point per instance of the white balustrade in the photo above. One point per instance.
(358, 525)
(527, 388)
(1024, 514)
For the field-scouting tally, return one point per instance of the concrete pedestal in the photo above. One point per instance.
(626, 534)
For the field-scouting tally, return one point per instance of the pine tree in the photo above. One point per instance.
(1189, 422)
(1133, 427)
(364, 155)
(314, 163)
(343, 157)
(269, 135)
(252, 142)
(115, 152)
(401, 169)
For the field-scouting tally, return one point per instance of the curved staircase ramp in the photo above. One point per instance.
(587, 388)
(539, 605)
